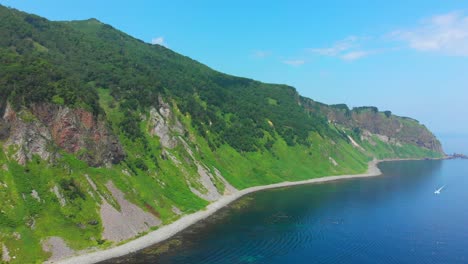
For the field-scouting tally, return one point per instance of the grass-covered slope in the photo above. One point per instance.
(84, 106)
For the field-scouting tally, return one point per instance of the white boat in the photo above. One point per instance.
(439, 190)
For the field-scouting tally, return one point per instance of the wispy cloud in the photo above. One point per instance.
(337, 48)
(347, 49)
(261, 54)
(159, 41)
(294, 62)
(354, 55)
(445, 33)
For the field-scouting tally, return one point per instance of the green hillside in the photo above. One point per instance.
(88, 111)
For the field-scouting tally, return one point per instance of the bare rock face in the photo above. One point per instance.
(207, 180)
(59, 196)
(389, 128)
(5, 254)
(164, 124)
(165, 108)
(75, 130)
(28, 137)
(229, 189)
(176, 210)
(161, 129)
(395, 131)
(127, 223)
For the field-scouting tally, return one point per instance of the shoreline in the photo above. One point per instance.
(167, 231)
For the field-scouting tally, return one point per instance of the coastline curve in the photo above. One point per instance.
(186, 221)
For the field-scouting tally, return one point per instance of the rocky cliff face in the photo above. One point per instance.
(43, 127)
(164, 124)
(399, 129)
(369, 121)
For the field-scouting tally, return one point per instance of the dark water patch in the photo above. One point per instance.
(395, 218)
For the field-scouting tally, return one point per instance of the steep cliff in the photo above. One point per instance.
(43, 127)
(370, 125)
(104, 137)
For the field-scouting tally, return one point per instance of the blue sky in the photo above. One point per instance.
(410, 57)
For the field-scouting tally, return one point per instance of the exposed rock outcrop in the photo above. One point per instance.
(396, 130)
(389, 128)
(28, 136)
(34, 131)
(77, 130)
(354, 143)
(165, 125)
(333, 161)
(207, 180)
(228, 188)
(59, 196)
(160, 128)
(5, 254)
(36, 196)
(176, 210)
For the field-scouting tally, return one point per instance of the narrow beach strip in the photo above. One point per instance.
(167, 231)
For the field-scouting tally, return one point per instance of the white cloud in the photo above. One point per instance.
(354, 55)
(446, 34)
(159, 41)
(337, 48)
(346, 49)
(261, 54)
(294, 62)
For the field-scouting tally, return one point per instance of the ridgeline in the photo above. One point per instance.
(105, 137)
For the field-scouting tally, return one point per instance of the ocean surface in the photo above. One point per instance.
(394, 218)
